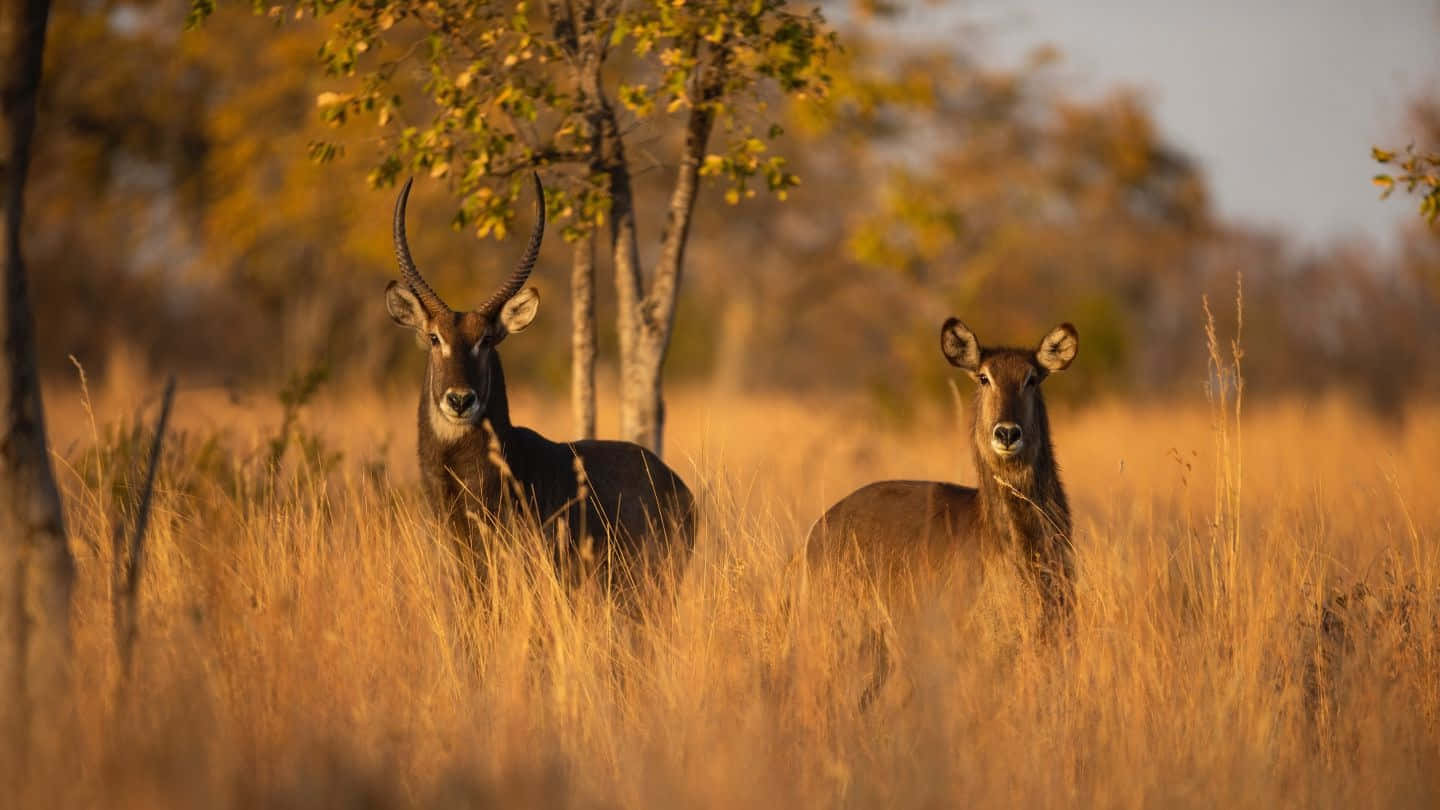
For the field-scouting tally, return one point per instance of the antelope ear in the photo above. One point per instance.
(520, 310)
(1058, 348)
(960, 346)
(405, 307)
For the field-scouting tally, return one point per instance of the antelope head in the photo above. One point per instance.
(1010, 422)
(461, 345)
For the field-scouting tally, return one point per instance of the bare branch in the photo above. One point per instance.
(129, 566)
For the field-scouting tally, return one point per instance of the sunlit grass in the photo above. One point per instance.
(304, 638)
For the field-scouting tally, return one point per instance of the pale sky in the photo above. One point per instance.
(1279, 100)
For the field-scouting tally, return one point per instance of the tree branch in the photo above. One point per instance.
(660, 303)
(562, 20)
(128, 563)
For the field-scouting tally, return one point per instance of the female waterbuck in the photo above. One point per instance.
(608, 508)
(897, 534)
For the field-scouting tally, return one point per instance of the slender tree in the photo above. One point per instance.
(481, 93)
(583, 350)
(35, 561)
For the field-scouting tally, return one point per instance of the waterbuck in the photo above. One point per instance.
(898, 534)
(606, 508)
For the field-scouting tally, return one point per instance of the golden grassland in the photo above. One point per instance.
(303, 641)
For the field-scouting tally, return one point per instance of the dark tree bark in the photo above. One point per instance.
(36, 568)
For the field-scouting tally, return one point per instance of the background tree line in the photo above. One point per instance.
(198, 204)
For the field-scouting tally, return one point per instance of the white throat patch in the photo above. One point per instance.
(446, 429)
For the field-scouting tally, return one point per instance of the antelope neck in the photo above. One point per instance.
(1026, 504)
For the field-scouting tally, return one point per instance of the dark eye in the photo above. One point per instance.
(984, 379)
(434, 339)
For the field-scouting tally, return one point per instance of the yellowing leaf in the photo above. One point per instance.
(440, 169)
(330, 99)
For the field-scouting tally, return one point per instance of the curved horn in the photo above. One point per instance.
(408, 272)
(517, 279)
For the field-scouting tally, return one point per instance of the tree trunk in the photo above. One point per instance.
(652, 320)
(625, 250)
(582, 336)
(645, 319)
(585, 40)
(608, 150)
(36, 569)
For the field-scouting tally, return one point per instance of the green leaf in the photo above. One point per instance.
(200, 10)
(637, 98)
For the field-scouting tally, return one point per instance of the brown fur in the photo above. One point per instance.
(909, 537)
(635, 516)
(638, 514)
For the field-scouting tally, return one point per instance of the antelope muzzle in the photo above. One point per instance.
(1007, 439)
(458, 404)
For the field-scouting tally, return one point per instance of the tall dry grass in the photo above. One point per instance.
(303, 640)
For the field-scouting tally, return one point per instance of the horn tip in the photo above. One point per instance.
(402, 198)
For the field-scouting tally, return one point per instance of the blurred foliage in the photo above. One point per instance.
(114, 467)
(481, 93)
(1412, 170)
(1417, 171)
(183, 209)
(297, 392)
(205, 466)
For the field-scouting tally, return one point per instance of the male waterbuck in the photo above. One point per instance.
(607, 508)
(900, 533)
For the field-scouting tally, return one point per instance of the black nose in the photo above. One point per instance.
(1007, 434)
(459, 401)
